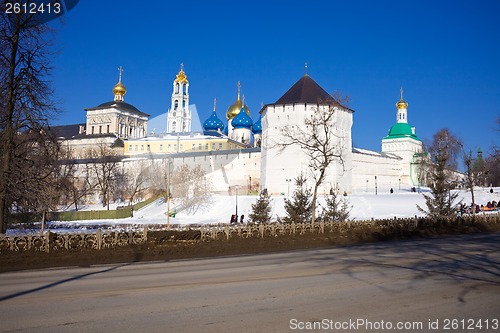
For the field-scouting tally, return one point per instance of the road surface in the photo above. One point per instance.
(406, 286)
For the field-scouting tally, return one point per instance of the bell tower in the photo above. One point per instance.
(402, 106)
(179, 115)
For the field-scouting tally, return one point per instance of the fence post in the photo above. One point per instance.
(47, 241)
(145, 234)
(99, 238)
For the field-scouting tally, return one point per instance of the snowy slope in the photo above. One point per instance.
(365, 206)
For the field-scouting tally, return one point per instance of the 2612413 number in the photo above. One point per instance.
(470, 324)
(32, 8)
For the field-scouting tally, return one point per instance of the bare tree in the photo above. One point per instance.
(192, 187)
(422, 163)
(36, 174)
(492, 163)
(25, 97)
(475, 171)
(492, 169)
(161, 176)
(319, 140)
(137, 179)
(78, 188)
(104, 170)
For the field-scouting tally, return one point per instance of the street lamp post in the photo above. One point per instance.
(236, 189)
(288, 183)
(376, 191)
(169, 166)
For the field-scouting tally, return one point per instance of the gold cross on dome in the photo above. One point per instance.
(120, 69)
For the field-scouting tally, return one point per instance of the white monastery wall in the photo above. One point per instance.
(366, 165)
(280, 166)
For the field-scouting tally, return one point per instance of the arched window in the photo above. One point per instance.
(174, 124)
(177, 88)
(176, 104)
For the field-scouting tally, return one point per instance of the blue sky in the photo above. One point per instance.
(445, 55)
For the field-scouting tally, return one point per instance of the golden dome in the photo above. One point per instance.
(402, 104)
(235, 108)
(181, 76)
(119, 89)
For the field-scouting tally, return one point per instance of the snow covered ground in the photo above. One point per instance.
(365, 206)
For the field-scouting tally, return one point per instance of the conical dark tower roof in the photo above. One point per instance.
(305, 91)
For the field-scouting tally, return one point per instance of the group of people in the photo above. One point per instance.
(468, 209)
(234, 219)
(491, 205)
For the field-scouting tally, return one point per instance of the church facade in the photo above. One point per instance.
(108, 124)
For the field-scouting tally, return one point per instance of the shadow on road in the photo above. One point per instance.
(57, 283)
(470, 258)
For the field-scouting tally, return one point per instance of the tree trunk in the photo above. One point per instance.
(473, 201)
(43, 222)
(318, 182)
(8, 132)
(313, 202)
(3, 220)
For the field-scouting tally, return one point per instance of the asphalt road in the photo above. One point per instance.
(405, 286)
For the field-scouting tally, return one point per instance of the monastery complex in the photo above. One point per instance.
(243, 149)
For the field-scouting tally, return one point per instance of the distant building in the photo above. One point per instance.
(108, 123)
(174, 143)
(402, 141)
(179, 114)
(280, 166)
(117, 117)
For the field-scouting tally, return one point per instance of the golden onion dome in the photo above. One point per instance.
(402, 104)
(235, 108)
(119, 89)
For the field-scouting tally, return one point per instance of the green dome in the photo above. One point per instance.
(401, 130)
